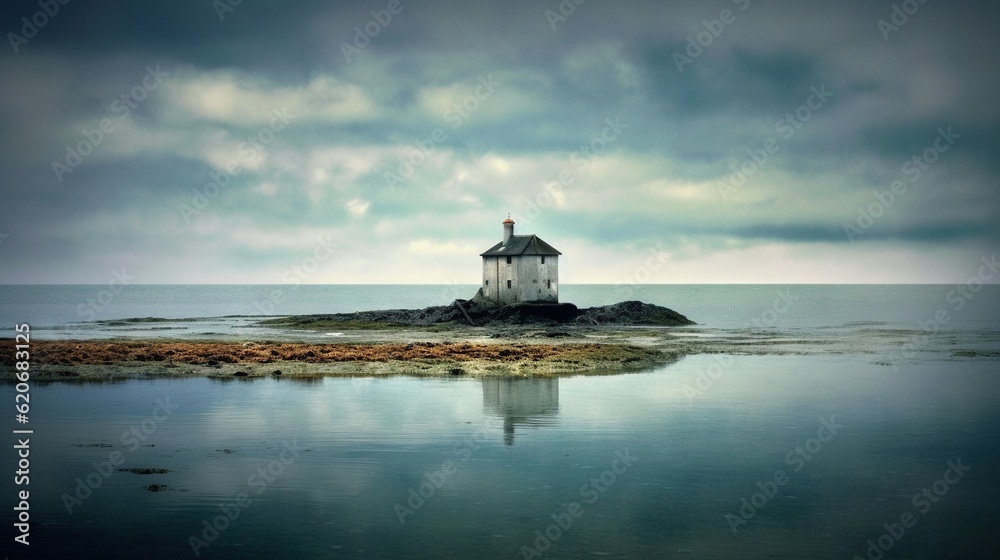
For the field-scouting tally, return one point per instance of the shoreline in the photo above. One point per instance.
(515, 340)
(102, 360)
(449, 351)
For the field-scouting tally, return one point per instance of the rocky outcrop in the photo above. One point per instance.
(632, 313)
(481, 312)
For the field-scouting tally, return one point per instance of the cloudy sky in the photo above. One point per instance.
(385, 141)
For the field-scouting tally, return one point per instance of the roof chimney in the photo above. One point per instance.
(508, 229)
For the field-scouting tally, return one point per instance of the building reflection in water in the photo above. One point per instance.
(521, 402)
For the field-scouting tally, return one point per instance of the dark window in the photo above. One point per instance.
(543, 260)
(508, 282)
(487, 283)
(508, 260)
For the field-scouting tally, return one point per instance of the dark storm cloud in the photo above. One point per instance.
(266, 36)
(483, 107)
(746, 83)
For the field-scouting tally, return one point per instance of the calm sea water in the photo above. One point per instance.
(813, 454)
(76, 311)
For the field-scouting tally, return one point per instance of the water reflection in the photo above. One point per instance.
(521, 402)
(367, 443)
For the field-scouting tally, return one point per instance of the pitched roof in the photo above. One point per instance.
(521, 245)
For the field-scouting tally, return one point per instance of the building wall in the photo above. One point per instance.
(530, 280)
(491, 278)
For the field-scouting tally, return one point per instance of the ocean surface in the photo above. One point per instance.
(84, 311)
(818, 422)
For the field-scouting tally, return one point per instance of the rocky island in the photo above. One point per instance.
(515, 325)
(467, 338)
(480, 312)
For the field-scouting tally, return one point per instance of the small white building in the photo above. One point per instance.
(521, 268)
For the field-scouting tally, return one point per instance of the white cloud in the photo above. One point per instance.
(267, 189)
(227, 97)
(357, 206)
(341, 165)
(425, 247)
